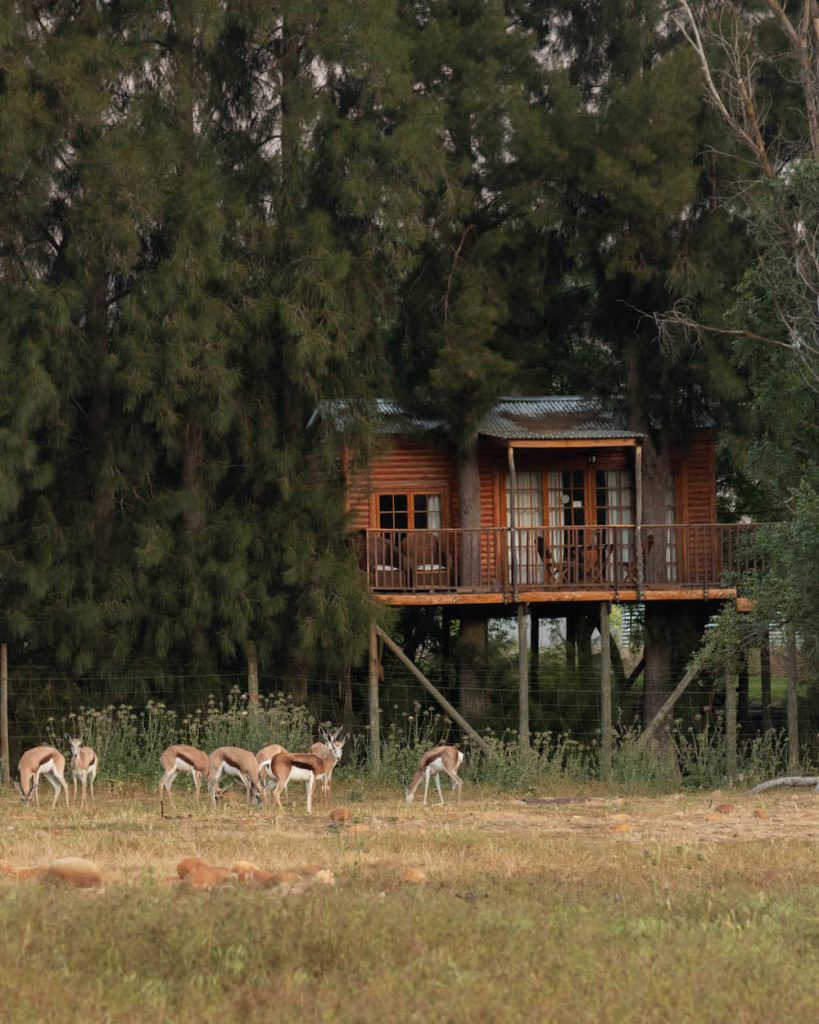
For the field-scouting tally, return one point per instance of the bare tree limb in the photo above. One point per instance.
(788, 780)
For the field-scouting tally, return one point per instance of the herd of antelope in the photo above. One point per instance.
(269, 770)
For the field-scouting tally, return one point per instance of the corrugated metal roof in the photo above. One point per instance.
(540, 417)
(553, 417)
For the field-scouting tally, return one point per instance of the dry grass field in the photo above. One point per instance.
(685, 908)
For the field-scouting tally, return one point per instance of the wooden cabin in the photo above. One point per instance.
(561, 499)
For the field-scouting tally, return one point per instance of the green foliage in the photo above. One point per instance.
(129, 742)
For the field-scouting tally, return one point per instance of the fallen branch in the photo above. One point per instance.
(789, 780)
(555, 799)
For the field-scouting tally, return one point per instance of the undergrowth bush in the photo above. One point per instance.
(129, 742)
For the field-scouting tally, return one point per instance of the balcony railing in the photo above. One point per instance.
(558, 558)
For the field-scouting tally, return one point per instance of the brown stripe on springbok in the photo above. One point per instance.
(44, 759)
(430, 756)
(180, 755)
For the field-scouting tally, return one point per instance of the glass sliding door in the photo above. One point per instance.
(615, 509)
(528, 515)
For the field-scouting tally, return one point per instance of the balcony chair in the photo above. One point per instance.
(429, 561)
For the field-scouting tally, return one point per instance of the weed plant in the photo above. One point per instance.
(129, 742)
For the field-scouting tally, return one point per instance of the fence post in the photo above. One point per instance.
(765, 680)
(730, 724)
(605, 689)
(375, 721)
(5, 762)
(252, 676)
(523, 678)
(792, 700)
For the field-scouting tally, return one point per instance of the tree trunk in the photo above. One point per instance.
(99, 418)
(296, 684)
(571, 640)
(469, 495)
(657, 672)
(474, 699)
(584, 627)
(618, 669)
(472, 639)
(347, 716)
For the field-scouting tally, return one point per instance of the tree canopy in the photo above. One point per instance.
(218, 213)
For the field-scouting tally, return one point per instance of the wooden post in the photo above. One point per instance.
(730, 725)
(453, 713)
(605, 690)
(513, 547)
(375, 717)
(765, 680)
(743, 686)
(792, 700)
(523, 678)
(638, 516)
(534, 643)
(5, 762)
(252, 676)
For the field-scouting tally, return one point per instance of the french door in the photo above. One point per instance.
(568, 525)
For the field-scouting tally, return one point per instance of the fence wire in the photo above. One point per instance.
(564, 698)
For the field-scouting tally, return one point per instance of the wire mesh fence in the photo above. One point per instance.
(132, 717)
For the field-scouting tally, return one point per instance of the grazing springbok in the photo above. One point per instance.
(182, 758)
(37, 762)
(263, 759)
(432, 763)
(331, 742)
(303, 768)
(83, 767)
(241, 764)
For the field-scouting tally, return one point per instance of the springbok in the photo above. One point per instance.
(182, 758)
(433, 762)
(331, 742)
(303, 768)
(241, 764)
(37, 762)
(83, 766)
(263, 759)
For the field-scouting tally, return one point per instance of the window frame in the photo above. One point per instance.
(410, 493)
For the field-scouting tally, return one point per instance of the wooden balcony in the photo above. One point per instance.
(558, 563)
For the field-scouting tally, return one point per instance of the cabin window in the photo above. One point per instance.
(412, 510)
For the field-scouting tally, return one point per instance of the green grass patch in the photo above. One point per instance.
(528, 912)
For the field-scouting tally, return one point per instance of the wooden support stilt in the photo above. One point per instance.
(534, 643)
(730, 724)
(765, 681)
(605, 690)
(252, 676)
(523, 678)
(5, 764)
(792, 700)
(374, 712)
